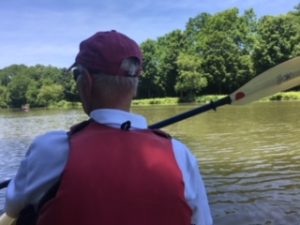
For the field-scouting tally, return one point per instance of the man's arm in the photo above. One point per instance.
(38, 171)
(195, 192)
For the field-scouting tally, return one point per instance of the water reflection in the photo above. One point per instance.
(249, 155)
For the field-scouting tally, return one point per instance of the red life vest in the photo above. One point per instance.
(117, 177)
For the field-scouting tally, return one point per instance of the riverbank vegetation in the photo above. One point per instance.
(283, 96)
(286, 96)
(213, 55)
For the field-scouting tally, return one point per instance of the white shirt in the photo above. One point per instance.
(48, 155)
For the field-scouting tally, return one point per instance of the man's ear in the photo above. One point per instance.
(85, 87)
(82, 73)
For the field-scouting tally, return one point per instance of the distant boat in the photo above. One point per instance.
(25, 107)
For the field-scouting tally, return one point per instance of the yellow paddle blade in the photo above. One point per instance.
(279, 78)
(6, 220)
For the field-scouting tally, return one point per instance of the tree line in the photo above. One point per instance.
(214, 54)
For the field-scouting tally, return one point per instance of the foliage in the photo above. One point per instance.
(224, 44)
(285, 96)
(297, 10)
(214, 54)
(37, 86)
(278, 39)
(63, 104)
(208, 98)
(149, 86)
(156, 101)
(169, 48)
(17, 88)
(49, 94)
(3, 97)
(191, 79)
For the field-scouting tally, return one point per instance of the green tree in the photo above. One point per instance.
(8, 73)
(295, 17)
(3, 97)
(149, 86)
(24, 84)
(192, 30)
(225, 47)
(168, 50)
(191, 80)
(278, 40)
(50, 94)
(17, 90)
(32, 93)
(69, 85)
(297, 10)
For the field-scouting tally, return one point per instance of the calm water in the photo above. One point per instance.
(249, 155)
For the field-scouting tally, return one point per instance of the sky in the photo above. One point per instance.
(48, 32)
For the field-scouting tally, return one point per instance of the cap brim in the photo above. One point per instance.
(71, 67)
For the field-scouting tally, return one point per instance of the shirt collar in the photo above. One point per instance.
(114, 118)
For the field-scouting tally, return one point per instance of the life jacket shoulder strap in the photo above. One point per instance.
(78, 127)
(161, 133)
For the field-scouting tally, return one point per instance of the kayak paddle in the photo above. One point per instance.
(279, 78)
(4, 184)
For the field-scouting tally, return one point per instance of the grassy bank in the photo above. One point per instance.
(143, 102)
(65, 105)
(284, 96)
(156, 101)
(174, 100)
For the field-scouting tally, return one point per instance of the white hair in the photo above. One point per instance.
(111, 85)
(131, 65)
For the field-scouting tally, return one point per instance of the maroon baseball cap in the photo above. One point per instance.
(105, 51)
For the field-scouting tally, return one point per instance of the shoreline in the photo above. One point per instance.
(279, 97)
(282, 96)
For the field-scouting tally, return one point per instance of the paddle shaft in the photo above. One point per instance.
(4, 184)
(211, 106)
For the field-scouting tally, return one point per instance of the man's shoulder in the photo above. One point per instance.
(51, 136)
(180, 146)
(53, 141)
(182, 152)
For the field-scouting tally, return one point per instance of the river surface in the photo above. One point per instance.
(249, 155)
